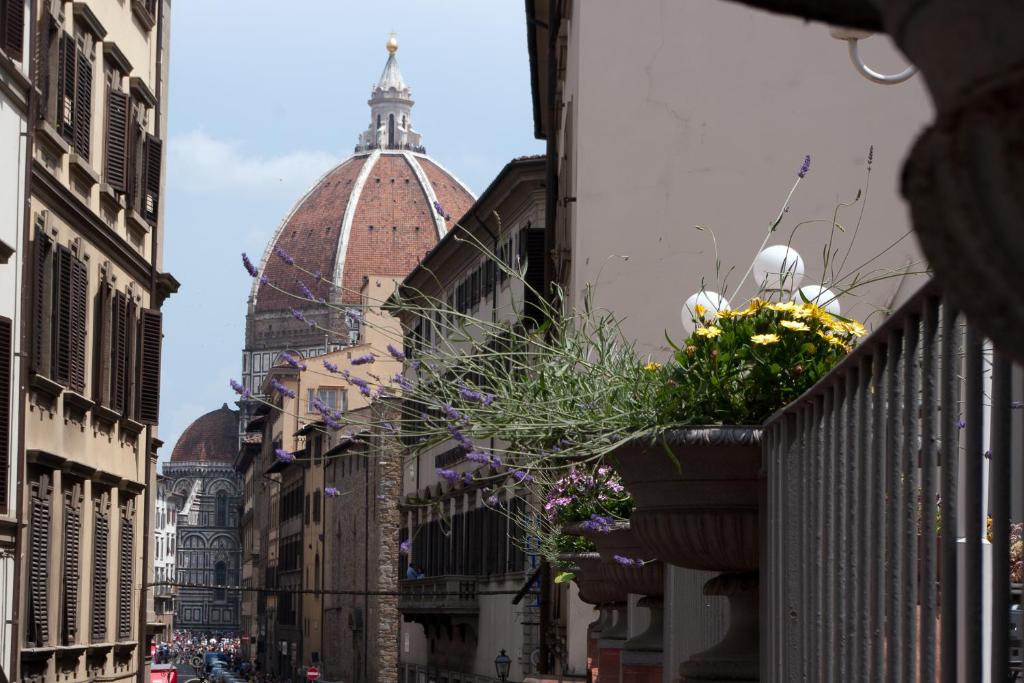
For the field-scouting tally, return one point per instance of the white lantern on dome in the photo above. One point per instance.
(816, 294)
(711, 301)
(778, 268)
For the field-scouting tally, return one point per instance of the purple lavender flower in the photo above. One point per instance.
(396, 353)
(297, 314)
(488, 399)
(331, 367)
(293, 361)
(440, 211)
(354, 314)
(404, 546)
(249, 266)
(450, 476)
(467, 478)
(492, 501)
(478, 456)
(239, 389)
(520, 476)
(331, 492)
(306, 291)
(363, 359)
(264, 279)
(453, 414)
(283, 255)
(284, 456)
(627, 561)
(281, 389)
(495, 462)
(461, 438)
(401, 381)
(331, 423)
(961, 424)
(804, 167)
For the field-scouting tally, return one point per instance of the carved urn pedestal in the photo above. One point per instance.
(605, 637)
(641, 658)
(696, 494)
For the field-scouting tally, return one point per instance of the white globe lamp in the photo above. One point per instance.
(712, 303)
(816, 294)
(778, 269)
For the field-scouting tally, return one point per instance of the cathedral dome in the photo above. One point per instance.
(378, 212)
(211, 438)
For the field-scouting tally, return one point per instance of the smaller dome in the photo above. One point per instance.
(211, 438)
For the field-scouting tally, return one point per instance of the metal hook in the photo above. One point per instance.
(852, 36)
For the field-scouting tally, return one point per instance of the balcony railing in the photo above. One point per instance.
(450, 594)
(873, 563)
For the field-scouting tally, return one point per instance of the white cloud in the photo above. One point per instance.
(199, 163)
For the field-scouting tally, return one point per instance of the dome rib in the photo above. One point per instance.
(210, 438)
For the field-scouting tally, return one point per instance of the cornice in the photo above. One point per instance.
(82, 219)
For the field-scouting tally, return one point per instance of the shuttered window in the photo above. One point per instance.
(100, 570)
(42, 298)
(70, 291)
(114, 354)
(12, 28)
(38, 632)
(531, 249)
(150, 338)
(74, 92)
(153, 158)
(115, 153)
(125, 567)
(83, 103)
(72, 564)
(6, 363)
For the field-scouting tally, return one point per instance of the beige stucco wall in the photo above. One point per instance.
(688, 113)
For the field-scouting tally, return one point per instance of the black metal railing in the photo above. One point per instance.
(873, 523)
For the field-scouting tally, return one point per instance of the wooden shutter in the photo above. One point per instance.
(39, 563)
(100, 559)
(62, 287)
(41, 276)
(14, 28)
(124, 579)
(72, 565)
(154, 154)
(6, 361)
(66, 87)
(533, 248)
(102, 349)
(119, 368)
(79, 324)
(83, 104)
(150, 337)
(115, 154)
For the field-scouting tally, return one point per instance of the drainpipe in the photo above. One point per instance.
(25, 305)
(550, 216)
(154, 255)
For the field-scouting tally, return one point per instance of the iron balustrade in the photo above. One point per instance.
(450, 594)
(872, 520)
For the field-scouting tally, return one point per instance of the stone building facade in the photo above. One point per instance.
(91, 335)
(165, 524)
(208, 546)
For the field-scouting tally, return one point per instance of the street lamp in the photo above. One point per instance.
(778, 269)
(501, 665)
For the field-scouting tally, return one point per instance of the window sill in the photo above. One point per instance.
(80, 404)
(49, 135)
(110, 198)
(143, 15)
(45, 386)
(104, 415)
(131, 427)
(82, 170)
(136, 222)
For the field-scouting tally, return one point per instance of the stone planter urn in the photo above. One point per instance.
(696, 493)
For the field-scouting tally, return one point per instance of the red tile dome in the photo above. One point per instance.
(212, 437)
(375, 213)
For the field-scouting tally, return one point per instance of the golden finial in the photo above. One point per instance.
(392, 45)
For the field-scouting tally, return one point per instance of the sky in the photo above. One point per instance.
(264, 100)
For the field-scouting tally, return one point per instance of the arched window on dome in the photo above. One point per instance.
(220, 578)
(391, 131)
(222, 509)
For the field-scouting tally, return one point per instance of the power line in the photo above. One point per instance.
(314, 591)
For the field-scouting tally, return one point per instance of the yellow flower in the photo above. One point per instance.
(756, 304)
(795, 326)
(710, 332)
(831, 339)
(855, 328)
(765, 339)
(804, 311)
(652, 366)
(786, 307)
(699, 311)
(727, 313)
